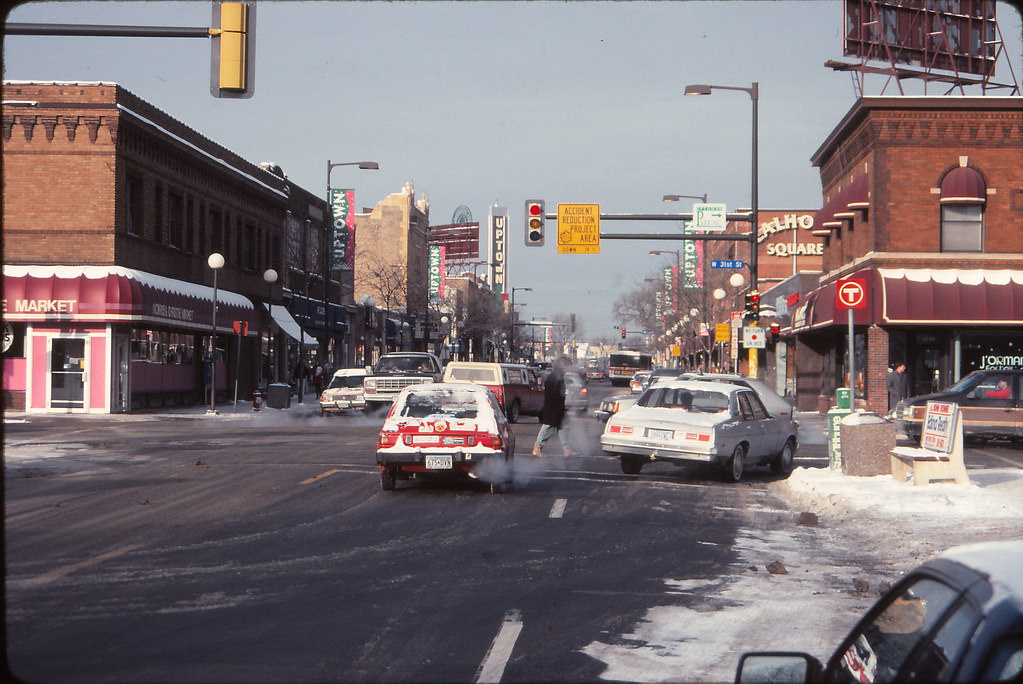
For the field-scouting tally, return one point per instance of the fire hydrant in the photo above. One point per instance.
(257, 400)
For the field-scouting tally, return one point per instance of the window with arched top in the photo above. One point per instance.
(963, 196)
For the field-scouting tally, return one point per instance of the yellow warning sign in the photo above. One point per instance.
(578, 229)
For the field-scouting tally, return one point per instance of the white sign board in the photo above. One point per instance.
(753, 337)
(709, 217)
(939, 426)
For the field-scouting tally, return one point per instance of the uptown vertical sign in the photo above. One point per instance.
(498, 242)
(437, 266)
(342, 239)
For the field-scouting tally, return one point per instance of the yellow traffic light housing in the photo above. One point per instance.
(233, 52)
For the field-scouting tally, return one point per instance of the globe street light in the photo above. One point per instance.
(270, 277)
(215, 262)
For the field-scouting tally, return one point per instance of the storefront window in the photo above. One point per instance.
(161, 346)
(993, 351)
(962, 228)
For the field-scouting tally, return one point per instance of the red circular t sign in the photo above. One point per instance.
(850, 294)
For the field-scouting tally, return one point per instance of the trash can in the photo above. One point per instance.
(867, 440)
(835, 416)
(278, 396)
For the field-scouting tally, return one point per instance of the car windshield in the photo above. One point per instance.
(343, 381)
(449, 403)
(685, 399)
(404, 363)
(967, 383)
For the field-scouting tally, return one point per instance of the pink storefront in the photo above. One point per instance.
(106, 339)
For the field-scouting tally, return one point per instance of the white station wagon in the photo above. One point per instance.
(683, 421)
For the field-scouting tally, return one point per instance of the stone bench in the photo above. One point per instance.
(924, 466)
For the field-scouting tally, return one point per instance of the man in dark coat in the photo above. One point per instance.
(898, 385)
(552, 416)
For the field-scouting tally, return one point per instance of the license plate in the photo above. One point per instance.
(659, 434)
(438, 462)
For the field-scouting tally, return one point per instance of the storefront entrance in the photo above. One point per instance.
(68, 372)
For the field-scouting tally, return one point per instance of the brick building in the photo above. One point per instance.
(111, 208)
(923, 202)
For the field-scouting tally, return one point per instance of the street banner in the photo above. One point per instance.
(690, 263)
(436, 275)
(342, 238)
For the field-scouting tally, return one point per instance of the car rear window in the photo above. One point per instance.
(680, 398)
(449, 403)
(485, 375)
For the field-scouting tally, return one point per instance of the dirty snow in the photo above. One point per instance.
(858, 535)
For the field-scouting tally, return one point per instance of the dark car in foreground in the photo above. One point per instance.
(957, 618)
(988, 399)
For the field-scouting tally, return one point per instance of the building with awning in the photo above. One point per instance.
(922, 203)
(112, 211)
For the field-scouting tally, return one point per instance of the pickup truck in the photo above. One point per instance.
(394, 372)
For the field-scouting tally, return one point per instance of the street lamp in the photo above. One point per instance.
(270, 277)
(215, 262)
(754, 93)
(514, 315)
(327, 251)
(676, 198)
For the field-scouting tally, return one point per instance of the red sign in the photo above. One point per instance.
(850, 293)
(241, 327)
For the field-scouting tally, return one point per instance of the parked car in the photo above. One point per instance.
(682, 421)
(576, 394)
(639, 382)
(956, 618)
(776, 405)
(445, 430)
(344, 391)
(989, 401)
(517, 387)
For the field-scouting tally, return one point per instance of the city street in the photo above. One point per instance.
(251, 547)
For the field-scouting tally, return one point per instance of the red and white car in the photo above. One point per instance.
(446, 430)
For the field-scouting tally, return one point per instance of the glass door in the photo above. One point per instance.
(67, 373)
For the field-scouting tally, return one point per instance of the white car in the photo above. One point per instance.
(682, 421)
(344, 391)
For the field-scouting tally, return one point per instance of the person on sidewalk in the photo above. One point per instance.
(552, 416)
(898, 385)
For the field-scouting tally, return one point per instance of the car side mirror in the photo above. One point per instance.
(778, 666)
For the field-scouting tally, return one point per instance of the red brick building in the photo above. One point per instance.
(111, 208)
(923, 202)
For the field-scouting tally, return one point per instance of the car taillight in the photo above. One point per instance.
(387, 439)
(490, 441)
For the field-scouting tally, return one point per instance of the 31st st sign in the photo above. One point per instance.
(851, 293)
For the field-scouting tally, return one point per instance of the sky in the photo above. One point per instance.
(484, 103)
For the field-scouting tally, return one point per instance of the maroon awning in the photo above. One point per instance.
(113, 294)
(966, 296)
(921, 296)
(963, 185)
(857, 195)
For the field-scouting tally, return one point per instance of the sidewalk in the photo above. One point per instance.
(225, 411)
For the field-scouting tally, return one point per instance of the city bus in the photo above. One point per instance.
(622, 365)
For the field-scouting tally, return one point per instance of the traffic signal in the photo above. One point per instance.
(233, 55)
(753, 307)
(623, 333)
(535, 223)
(775, 329)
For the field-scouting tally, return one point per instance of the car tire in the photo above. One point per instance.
(513, 412)
(736, 463)
(387, 479)
(631, 465)
(782, 463)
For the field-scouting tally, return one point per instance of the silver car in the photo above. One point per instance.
(683, 421)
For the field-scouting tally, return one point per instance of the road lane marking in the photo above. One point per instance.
(317, 478)
(68, 569)
(558, 509)
(492, 668)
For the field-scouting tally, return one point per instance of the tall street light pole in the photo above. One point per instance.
(328, 251)
(754, 93)
(270, 277)
(215, 262)
(514, 315)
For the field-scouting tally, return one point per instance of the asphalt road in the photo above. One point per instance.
(260, 548)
